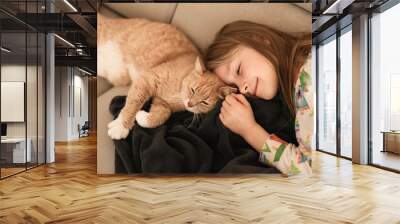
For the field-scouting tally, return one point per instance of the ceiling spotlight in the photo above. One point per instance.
(80, 51)
(5, 50)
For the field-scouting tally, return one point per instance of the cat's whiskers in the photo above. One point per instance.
(195, 119)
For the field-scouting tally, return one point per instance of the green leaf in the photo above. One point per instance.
(279, 152)
(303, 158)
(266, 148)
(293, 168)
(305, 78)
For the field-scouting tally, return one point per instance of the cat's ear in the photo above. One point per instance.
(226, 90)
(199, 66)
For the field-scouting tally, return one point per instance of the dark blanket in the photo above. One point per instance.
(189, 144)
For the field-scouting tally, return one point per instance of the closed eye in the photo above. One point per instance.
(238, 70)
(205, 102)
(192, 90)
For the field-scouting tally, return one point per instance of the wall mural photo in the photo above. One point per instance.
(204, 88)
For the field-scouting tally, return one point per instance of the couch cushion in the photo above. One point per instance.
(106, 11)
(305, 6)
(161, 12)
(102, 85)
(105, 146)
(202, 21)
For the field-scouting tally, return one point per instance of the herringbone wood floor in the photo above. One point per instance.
(69, 191)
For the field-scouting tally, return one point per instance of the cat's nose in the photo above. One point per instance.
(190, 104)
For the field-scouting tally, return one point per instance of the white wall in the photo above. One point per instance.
(61, 103)
(81, 83)
(33, 127)
(14, 73)
(67, 115)
(17, 73)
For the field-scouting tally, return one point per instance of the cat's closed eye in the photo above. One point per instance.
(205, 102)
(192, 90)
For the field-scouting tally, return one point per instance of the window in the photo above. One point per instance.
(327, 95)
(22, 75)
(346, 92)
(385, 88)
(314, 85)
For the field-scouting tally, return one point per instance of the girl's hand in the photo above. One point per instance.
(236, 114)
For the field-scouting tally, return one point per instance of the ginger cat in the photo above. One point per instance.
(158, 61)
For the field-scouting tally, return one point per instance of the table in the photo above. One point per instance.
(391, 141)
(15, 148)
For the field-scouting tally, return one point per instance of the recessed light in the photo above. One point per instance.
(5, 49)
(64, 40)
(70, 5)
(337, 7)
(84, 71)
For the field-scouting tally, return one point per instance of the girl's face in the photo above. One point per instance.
(251, 72)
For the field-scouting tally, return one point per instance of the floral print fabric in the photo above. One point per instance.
(288, 158)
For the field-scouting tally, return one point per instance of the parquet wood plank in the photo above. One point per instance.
(70, 191)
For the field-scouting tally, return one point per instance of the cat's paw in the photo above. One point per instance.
(116, 129)
(116, 122)
(142, 118)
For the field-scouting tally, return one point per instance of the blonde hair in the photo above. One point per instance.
(286, 53)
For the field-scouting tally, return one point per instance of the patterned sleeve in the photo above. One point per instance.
(289, 158)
